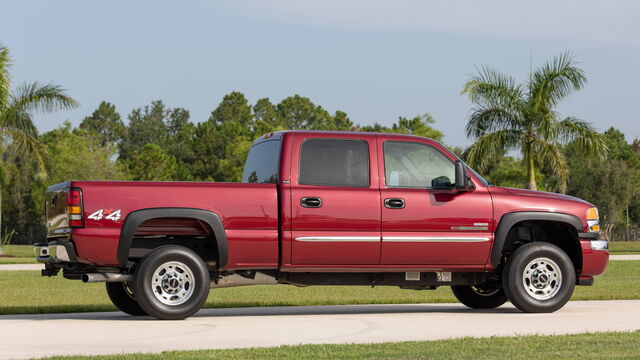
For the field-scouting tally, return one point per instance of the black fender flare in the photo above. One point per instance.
(508, 220)
(135, 218)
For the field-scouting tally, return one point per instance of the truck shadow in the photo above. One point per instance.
(280, 311)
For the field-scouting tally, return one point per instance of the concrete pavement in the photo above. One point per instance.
(624, 257)
(27, 336)
(20, 267)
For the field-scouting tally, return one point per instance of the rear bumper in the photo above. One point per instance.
(55, 252)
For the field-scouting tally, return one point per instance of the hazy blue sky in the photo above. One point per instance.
(374, 60)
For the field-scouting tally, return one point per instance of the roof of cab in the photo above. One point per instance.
(277, 135)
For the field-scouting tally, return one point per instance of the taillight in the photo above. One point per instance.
(74, 208)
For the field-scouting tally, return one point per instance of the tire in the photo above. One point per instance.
(479, 297)
(122, 296)
(172, 283)
(539, 278)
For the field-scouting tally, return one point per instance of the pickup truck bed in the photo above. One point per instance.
(247, 212)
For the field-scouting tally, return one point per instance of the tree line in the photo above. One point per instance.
(161, 143)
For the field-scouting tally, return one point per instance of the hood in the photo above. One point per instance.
(542, 194)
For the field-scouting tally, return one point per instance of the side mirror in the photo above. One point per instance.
(461, 176)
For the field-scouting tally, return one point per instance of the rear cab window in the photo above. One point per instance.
(262, 162)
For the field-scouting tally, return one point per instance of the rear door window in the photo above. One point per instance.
(334, 162)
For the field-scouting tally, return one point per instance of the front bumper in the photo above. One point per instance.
(595, 256)
(55, 252)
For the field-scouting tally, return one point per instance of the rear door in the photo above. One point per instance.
(335, 200)
(424, 220)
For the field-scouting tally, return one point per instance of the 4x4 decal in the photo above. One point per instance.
(108, 214)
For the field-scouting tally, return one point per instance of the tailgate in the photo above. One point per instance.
(56, 210)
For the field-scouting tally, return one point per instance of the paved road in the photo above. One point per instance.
(624, 257)
(114, 332)
(17, 267)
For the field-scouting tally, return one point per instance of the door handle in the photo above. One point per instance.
(394, 203)
(311, 202)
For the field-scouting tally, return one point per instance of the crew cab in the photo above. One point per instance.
(324, 208)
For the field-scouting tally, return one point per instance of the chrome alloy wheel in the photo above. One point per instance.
(542, 278)
(173, 283)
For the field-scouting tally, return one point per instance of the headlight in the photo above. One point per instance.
(593, 219)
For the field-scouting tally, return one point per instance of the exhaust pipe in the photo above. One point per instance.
(106, 277)
(237, 280)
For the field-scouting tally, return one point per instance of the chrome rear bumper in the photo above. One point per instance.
(55, 252)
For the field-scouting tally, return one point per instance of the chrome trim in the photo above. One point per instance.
(59, 252)
(391, 239)
(51, 253)
(478, 228)
(339, 238)
(599, 244)
(433, 239)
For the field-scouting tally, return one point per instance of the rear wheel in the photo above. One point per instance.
(480, 296)
(539, 277)
(172, 283)
(122, 296)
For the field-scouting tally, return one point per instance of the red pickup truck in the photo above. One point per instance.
(324, 208)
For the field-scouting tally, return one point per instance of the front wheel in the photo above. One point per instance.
(172, 283)
(480, 296)
(539, 278)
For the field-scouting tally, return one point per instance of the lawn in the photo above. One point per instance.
(21, 254)
(28, 292)
(617, 247)
(611, 345)
(23, 251)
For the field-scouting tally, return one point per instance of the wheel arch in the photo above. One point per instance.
(509, 220)
(135, 218)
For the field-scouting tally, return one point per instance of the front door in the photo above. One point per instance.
(335, 201)
(424, 220)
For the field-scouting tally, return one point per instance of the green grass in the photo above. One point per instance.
(22, 251)
(28, 292)
(610, 345)
(21, 254)
(617, 247)
(17, 260)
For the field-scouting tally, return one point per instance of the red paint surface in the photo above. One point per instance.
(262, 221)
(249, 214)
(594, 262)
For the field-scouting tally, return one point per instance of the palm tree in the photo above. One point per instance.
(16, 125)
(510, 116)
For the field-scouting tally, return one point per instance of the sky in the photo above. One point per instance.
(375, 60)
